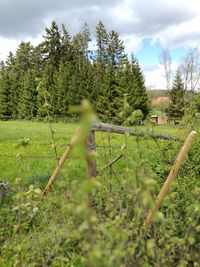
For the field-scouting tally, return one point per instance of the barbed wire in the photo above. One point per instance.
(109, 150)
(33, 143)
(36, 157)
(59, 145)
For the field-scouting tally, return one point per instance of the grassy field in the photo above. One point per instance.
(97, 222)
(38, 133)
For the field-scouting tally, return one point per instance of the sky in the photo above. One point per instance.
(146, 26)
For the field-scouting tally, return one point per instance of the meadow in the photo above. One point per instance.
(38, 134)
(98, 222)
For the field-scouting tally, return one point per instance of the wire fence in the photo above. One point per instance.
(108, 149)
(102, 147)
(57, 144)
(106, 152)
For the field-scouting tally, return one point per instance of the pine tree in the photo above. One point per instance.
(102, 44)
(27, 107)
(85, 38)
(101, 73)
(5, 96)
(81, 83)
(176, 108)
(10, 61)
(52, 47)
(68, 75)
(23, 57)
(22, 65)
(62, 87)
(11, 86)
(110, 64)
(135, 88)
(80, 45)
(115, 50)
(67, 52)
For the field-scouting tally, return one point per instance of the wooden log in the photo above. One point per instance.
(60, 165)
(183, 153)
(110, 128)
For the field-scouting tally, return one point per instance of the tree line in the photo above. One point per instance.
(183, 89)
(70, 72)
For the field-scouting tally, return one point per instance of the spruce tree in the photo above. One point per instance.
(115, 50)
(69, 75)
(102, 44)
(62, 87)
(22, 65)
(108, 68)
(11, 83)
(67, 52)
(6, 110)
(27, 107)
(23, 57)
(52, 47)
(135, 88)
(176, 108)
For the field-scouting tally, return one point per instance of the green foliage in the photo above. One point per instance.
(137, 94)
(177, 93)
(99, 221)
(136, 117)
(192, 113)
(196, 102)
(70, 75)
(6, 108)
(130, 117)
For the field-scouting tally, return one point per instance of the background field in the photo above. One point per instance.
(12, 132)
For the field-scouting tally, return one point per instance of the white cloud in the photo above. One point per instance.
(10, 45)
(154, 75)
(132, 43)
(171, 22)
(185, 34)
(7, 45)
(154, 78)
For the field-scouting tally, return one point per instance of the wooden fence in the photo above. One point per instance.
(92, 167)
(91, 145)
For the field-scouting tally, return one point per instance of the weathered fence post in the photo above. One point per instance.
(177, 164)
(91, 162)
(60, 164)
(92, 172)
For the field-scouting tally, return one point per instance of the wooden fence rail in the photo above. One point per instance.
(110, 128)
(90, 146)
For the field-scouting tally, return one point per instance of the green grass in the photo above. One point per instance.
(58, 230)
(37, 170)
(38, 133)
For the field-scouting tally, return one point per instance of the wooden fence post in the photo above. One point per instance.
(91, 162)
(177, 164)
(92, 172)
(60, 164)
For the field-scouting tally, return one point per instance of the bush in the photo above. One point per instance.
(135, 118)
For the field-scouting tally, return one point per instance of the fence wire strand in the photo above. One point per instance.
(107, 152)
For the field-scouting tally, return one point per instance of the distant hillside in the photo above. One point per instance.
(156, 93)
